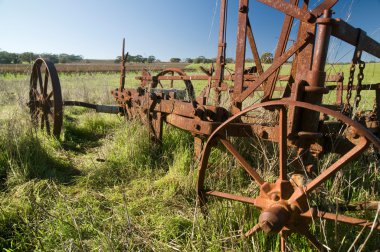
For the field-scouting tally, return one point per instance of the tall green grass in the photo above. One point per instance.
(103, 187)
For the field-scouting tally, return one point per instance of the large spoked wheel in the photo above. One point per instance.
(268, 159)
(45, 98)
(165, 84)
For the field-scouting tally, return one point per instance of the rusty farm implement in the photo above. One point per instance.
(266, 122)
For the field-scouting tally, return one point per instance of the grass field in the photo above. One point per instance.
(103, 188)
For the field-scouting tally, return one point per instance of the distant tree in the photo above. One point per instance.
(9, 58)
(151, 59)
(118, 59)
(5, 57)
(14, 58)
(230, 60)
(28, 57)
(63, 58)
(175, 60)
(52, 57)
(128, 59)
(267, 58)
(209, 60)
(189, 60)
(200, 59)
(139, 58)
(69, 58)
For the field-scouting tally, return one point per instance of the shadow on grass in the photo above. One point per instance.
(79, 139)
(48, 167)
(30, 158)
(85, 133)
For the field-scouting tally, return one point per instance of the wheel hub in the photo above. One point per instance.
(273, 219)
(277, 212)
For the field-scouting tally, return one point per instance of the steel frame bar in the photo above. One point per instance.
(280, 49)
(254, 50)
(240, 51)
(275, 65)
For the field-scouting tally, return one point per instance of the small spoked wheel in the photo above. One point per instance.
(170, 83)
(257, 164)
(45, 98)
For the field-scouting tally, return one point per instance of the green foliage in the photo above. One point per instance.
(202, 59)
(9, 58)
(266, 58)
(175, 60)
(69, 58)
(189, 60)
(52, 57)
(137, 59)
(29, 57)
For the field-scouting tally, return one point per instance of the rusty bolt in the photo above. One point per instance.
(275, 197)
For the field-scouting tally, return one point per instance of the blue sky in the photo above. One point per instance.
(163, 28)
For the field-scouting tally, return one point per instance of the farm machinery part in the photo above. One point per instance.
(285, 112)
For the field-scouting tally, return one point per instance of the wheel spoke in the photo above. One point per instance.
(34, 80)
(313, 240)
(232, 197)
(346, 158)
(283, 143)
(35, 93)
(253, 230)
(251, 171)
(46, 82)
(283, 242)
(39, 75)
(49, 96)
(342, 218)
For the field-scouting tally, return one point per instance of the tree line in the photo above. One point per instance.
(138, 59)
(29, 57)
(265, 58)
(200, 59)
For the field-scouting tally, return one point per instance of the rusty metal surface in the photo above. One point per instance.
(355, 36)
(254, 50)
(122, 68)
(240, 52)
